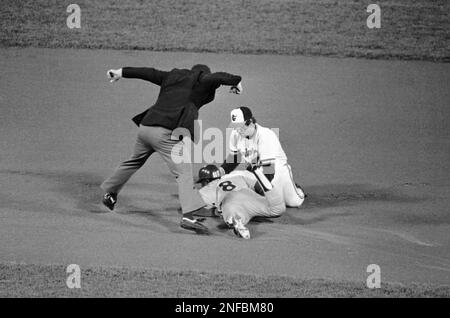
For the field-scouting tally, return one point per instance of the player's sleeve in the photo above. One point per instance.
(267, 147)
(145, 73)
(267, 150)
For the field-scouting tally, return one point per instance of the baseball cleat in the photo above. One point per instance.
(240, 229)
(229, 224)
(194, 225)
(109, 200)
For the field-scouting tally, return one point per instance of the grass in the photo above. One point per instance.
(21, 280)
(410, 29)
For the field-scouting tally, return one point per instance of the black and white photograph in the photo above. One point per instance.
(224, 154)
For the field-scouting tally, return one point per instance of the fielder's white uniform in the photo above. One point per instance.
(264, 146)
(233, 195)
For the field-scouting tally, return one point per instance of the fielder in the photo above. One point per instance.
(234, 197)
(260, 145)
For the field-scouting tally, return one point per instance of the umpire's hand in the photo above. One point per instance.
(114, 75)
(236, 89)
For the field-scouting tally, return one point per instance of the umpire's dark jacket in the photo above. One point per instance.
(182, 94)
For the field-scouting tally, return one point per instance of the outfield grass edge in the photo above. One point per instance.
(32, 280)
(416, 31)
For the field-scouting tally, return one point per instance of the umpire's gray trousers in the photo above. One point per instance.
(149, 140)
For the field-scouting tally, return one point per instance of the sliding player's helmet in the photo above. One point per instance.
(208, 173)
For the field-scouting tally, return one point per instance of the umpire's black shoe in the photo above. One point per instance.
(109, 200)
(194, 225)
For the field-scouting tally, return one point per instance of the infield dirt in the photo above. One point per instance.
(368, 140)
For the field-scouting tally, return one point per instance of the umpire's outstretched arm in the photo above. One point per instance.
(144, 73)
(221, 78)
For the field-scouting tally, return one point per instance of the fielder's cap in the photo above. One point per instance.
(240, 116)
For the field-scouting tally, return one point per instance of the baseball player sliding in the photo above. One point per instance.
(234, 197)
(260, 145)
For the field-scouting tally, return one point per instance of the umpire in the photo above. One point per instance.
(182, 93)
